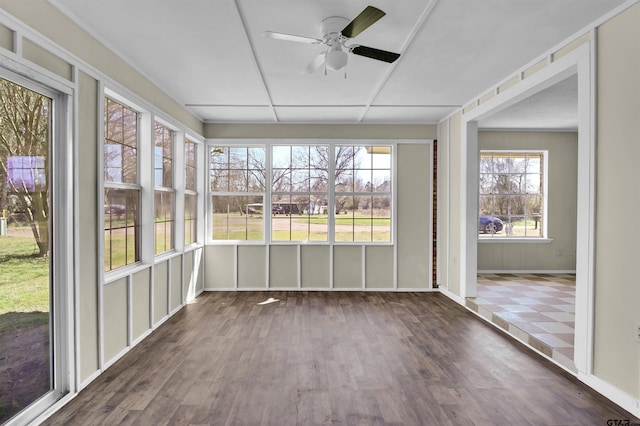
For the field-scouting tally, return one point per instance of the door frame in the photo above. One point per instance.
(580, 61)
(62, 236)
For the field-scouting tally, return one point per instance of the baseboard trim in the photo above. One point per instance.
(116, 358)
(161, 321)
(175, 311)
(141, 337)
(54, 408)
(122, 353)
(89, 379)
(387, 290)
(451, 295)
(527, 271)
(617, 396)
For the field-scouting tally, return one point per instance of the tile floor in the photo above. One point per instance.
(539, 309)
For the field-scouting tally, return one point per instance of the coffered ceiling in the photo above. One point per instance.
(210, 55)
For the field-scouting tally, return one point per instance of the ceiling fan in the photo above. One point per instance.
(336, 32)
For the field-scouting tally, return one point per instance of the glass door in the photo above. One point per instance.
(26, 256)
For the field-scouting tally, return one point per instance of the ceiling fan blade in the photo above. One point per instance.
(369, 16)
(370, 52)
(291, 37)
(316, 63)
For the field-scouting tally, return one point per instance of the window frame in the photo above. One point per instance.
(211, 193)
(124, 186)
(332, 144)
(291, 193)
(388, 193)
(544, 165)
(190, 192)
(162, 190)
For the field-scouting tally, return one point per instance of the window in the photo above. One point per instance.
(333, 193)
(237, 177)
(362, 193)
(164, 193)
(512, 196)
(121, 187)
(190, 194)
(299, 194)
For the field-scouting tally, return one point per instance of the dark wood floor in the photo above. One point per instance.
(333, 358)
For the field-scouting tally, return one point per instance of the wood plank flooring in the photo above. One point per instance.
(345, 358)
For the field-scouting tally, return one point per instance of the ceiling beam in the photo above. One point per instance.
(254, 58)
(407, 42)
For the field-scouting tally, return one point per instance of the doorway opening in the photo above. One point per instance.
(527, 213)
(563, 240)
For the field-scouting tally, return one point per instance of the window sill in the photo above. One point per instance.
(297, 243)
(510, 240)
(123, 272)
(191, 247)
(165, 255)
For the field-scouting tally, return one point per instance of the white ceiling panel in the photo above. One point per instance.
(465, 46)
(196, 50)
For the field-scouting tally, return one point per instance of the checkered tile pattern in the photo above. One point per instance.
(536, 308)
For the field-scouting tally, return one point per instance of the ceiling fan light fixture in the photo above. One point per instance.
(336, 58)
(335, 32)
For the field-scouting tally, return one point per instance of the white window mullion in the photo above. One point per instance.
(207, 193)
(179, 167)
(146, 166)
(202, 193)
(331, 213)
(545, 192)
(267, 212)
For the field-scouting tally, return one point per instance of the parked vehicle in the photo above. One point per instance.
(115, 209)
(490, 225)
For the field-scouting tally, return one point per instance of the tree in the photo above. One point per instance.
(24, 156)
(295, 170)
(317, 161)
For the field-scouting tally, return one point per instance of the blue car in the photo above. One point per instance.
(489, 225)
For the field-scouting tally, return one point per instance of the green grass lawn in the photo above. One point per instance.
(242, 235)
(24, 278)
(299, 236)
(356, 220)
(120, 248)
(349, 228)
(237, 227)
(24, 319)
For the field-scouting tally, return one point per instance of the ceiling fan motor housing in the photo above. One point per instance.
(331, 28)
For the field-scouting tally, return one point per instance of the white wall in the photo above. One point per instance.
(310, 266)
(452, 169)
(617, 292)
